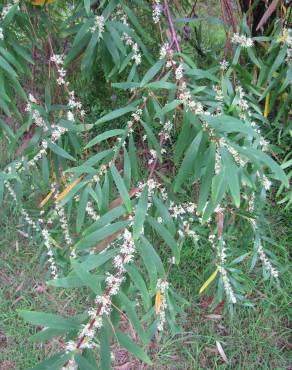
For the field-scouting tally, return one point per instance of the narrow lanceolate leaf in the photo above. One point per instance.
(45, 200)
(188, 162)
(232, 176)
(115, 114)
(140, 213)
(157, 302)
(94, 238)
(48, 320)
(208, 281)
(68, 188)
(88, 279)
(166, 236)
(105, 135)
(167, 108)
(132, 347)
(152, 71)
(267, 105)
(60, 151)
(121, 187)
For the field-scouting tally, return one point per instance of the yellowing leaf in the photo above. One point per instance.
(68, 188)
(63, 178)
(209, 281)
(267, 105)
(157, 302)
(45, 200)
(41, 2)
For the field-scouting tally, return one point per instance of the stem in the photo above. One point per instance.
(173, 31)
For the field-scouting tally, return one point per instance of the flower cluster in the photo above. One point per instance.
(103, 302)
(58, 59)
(24, 213)
(136, 118)
(218, 93)
(162, 287)
(6, 9)
(50, 253)
(242, 40)
(179, 72)
(165, 132)
(127, 38)
(188, 101)
(222, 260)
(98, 25)
(286, 38)
(224, 65)
(1, 34)
(36, 117)
(267, 264)
(166, 52)
(242, 103)
(64, 223)
(157, 11)
(153, 154)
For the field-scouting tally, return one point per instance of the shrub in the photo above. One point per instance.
(184, 159)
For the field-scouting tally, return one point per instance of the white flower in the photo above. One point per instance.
(218, 93)
(166, 51)
(224, 65)
(265, 261)
(179, 72)
(1, 34)
(267, 183)
(157, 10)
(70, 116)
(242, 40)
(98, 25)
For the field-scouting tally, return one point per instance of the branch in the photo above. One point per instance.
(173, 31)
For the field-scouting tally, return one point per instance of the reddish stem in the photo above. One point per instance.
(173, 31)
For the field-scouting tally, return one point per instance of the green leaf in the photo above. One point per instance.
(161, 85)
(105, 135)
(166, 236)
(150, 251)
(167, 108)
(116, 113)
(132, 315)
(132, 347)
(229, 124)
(87, 6)
(140, 213)
(96, 237)
(94, 261)
(60, 151)
(152, 72)
(84, 364)
(187, 165)
(6, 67)
(89, 280)
(70, 282)
(81, 210)
(140, 284)
(232, 176)
(53, 363)
(49, 320)
(163, 211)
(151, 138)
(46, 334)
(207, 178)
(121, 187)
(105, 219)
